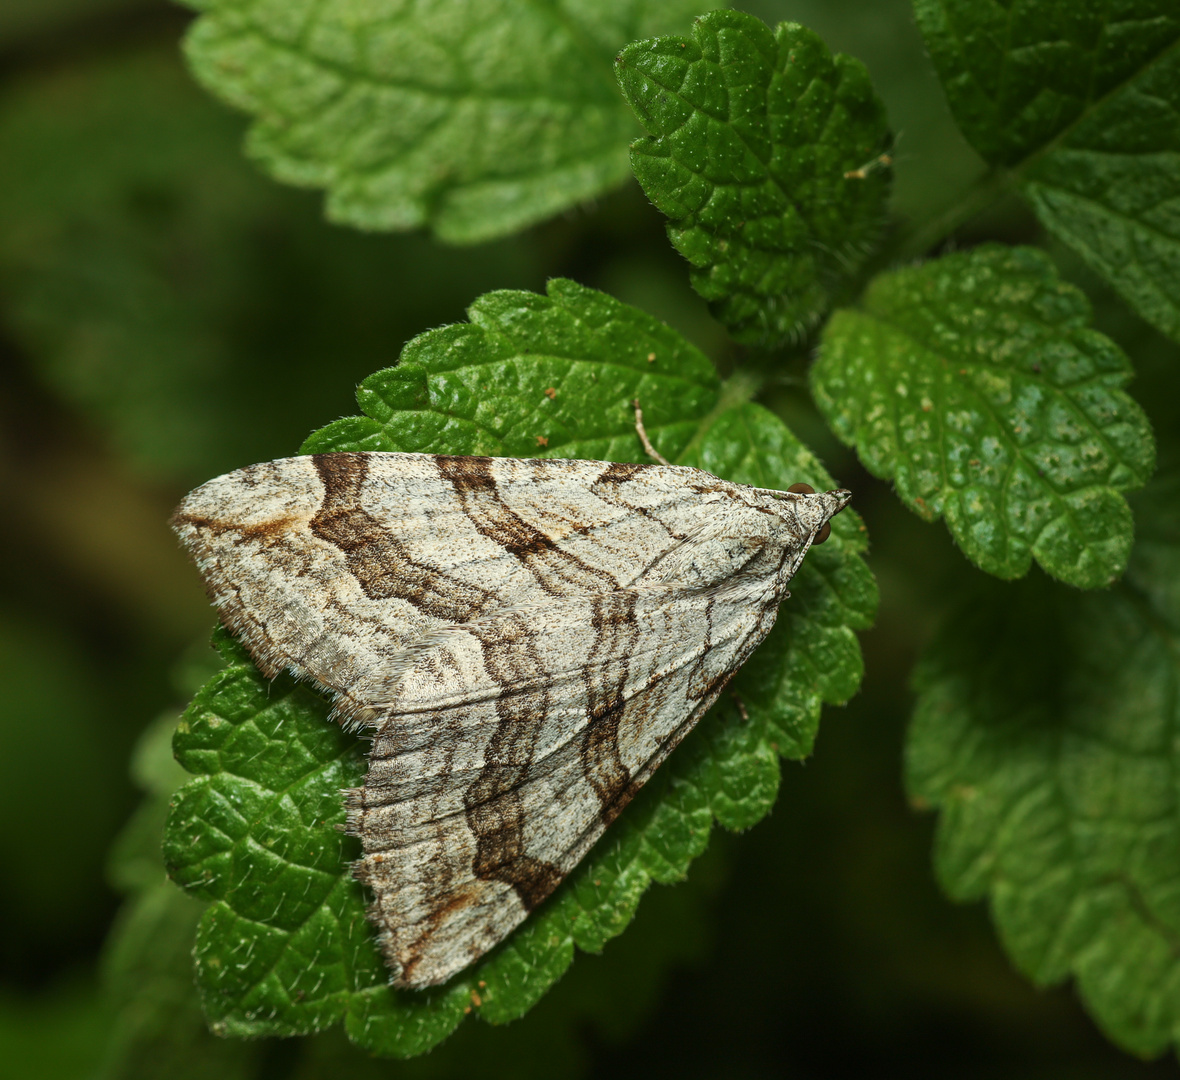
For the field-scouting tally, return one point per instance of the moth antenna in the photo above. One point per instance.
(651, 451)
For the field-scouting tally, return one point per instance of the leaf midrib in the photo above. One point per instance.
(1026, 163)
(355, 76)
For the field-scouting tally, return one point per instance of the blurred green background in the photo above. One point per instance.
(167, 313)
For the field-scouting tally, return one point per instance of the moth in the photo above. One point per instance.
(527, 639)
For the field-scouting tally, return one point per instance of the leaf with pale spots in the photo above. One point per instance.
(975, 383)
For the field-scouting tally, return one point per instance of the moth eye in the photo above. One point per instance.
(823, 534)
(802, 489)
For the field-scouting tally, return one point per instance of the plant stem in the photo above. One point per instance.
(739, 388)
(915, 241)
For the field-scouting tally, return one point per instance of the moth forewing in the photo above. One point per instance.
(529, 640)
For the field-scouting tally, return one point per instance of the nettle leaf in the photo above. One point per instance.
(284, 946)
(975, 384)
(1052, 756)
(766, 156)
(1084, 101)
(154, 1025)
(474, 119)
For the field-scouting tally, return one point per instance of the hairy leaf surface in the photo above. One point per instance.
(765, 154)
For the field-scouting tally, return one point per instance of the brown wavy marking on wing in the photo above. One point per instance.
(586, 703)
(376, 558)
(494, 810)
(619, 472)
(558, 572)
(605, 677)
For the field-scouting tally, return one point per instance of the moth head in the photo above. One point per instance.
(815, 510)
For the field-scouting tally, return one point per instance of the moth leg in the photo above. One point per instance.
(651, 451)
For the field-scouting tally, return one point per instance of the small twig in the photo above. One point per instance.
(881, 161)
(652, 452)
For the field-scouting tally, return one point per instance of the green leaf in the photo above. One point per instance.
(474, 119)
(975, 384)
(1083, 100)
(562, 368)
(284, 946)
(1017, 75)
(154, 1026)
(1110, 186)
(1045, 732)
(765, 154)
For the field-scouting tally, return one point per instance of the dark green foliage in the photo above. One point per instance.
(1082, 100)
(475, 123)
(1018, 75)
(765, 154)
(158, 1029)
(168, 313)
(1053, 756)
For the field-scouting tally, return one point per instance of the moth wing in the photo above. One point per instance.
(332, 565)
(553, 718)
